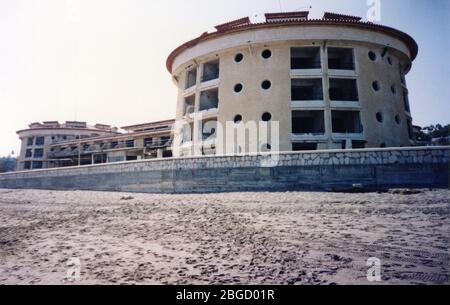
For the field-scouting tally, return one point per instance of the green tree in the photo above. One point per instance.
(435, 135)
(7, 164)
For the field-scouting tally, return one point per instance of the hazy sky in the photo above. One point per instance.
(104, 60)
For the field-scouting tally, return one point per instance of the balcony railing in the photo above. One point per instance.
(106, 147)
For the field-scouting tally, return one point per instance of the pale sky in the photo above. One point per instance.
(103, 61)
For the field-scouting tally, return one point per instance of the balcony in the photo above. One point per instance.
(210, 71)
(344, 93)
(305, 61)
(306, 89)
(308, 125)
(99, 148)
(162, 143)
(63, 154)
(189, 105)
(191, 78)
(341, 59)
(209, 100)
(305, 58)
(347, 125)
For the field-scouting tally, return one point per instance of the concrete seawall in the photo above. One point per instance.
(317, 170)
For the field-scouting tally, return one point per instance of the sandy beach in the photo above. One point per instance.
(235, 238)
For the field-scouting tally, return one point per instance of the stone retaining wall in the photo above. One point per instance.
(317, 170)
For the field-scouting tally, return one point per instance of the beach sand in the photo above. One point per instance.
(233, 238)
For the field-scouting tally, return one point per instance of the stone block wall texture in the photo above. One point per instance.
(318, 170)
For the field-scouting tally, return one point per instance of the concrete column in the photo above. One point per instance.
(326, 94)
(348, 144)
(197, 135)
(159, 153)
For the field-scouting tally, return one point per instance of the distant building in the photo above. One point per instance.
(51, 144)
(331, 83)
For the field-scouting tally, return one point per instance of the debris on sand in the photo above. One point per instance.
(405, 192)
(127, 198)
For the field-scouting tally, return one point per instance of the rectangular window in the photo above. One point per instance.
(37, 164)
(410, 130)
(40, 141)
(27, 165)
(28, 153)
(304, 146)
(189, 105)
(305, 58)
(114, 144)
(167, 154)
(343, 89)
(30, 141)
(406, 101)
(191, 78)
(129, 143)
(38, 153)
(341, 59)
(209, 129)
(358, 144)
(210, 71)
(308, 122)
(99, 159)
(116, 159)
(148, 141)
(306, 89)
(402, 75)
(209, 99)
(164, 140)
(346, 121)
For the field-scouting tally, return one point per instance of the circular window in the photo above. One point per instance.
(372, 56)
(376, 86)
(239, 57)
(266, 84)
(383, 145)
(266, 54)
(389, 59)
(393, 90)
(238, 88)
(398, 120)
(380, 117)
(238, 119)
(266, 117)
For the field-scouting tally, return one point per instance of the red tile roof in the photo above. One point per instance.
(287, 15)
(241, 25)
(233, 24)
(334, 16)
(166, 122)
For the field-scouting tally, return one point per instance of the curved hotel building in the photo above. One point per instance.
(330, 83)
